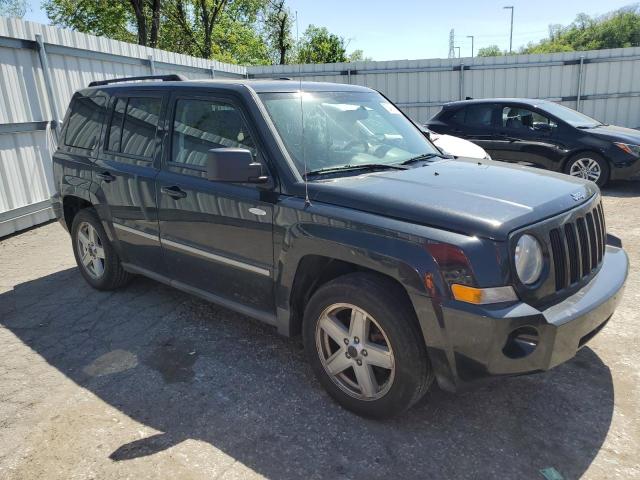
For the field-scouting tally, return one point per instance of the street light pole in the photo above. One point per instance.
(511, 31)
(471, 37)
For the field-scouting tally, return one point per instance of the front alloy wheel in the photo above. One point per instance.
(355, 351)
(364, 342)
(586, 168)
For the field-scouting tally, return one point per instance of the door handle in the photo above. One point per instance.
(105, 177)
(173, 191)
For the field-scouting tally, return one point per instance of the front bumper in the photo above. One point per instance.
(467, 342)
(627, 170)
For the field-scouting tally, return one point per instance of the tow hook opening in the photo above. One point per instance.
(521, 342)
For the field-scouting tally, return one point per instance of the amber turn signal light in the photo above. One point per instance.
(482, 296)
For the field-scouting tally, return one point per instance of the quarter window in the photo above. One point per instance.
(134, 123)
(85, 122)
(200, 125)
(516, 118)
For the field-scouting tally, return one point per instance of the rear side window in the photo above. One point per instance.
(85, 122)
(133, 127)
(200, 125)
(473, 116)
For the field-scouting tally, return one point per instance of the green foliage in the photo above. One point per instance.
(105, 18)
(13, 8)
(250, 32)
(278, 25)
(358, 56)
(490, 51)
(617, 29)
(318, 45)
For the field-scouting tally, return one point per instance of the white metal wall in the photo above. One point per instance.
(609, 91)
(604, 84)
(74, 59)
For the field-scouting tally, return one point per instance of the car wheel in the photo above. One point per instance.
(589, 166)
(98, 261)
(363, 341)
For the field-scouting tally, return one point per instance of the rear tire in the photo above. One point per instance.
(97, 260)
(588, 166)
(380, 371)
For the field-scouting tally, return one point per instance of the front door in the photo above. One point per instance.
(216, 237)
(526, 136)
(125, 172)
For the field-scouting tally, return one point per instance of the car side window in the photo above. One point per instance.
(516, 118)
(133, 126)
(474, 116)
(85, 122)
(200, 125)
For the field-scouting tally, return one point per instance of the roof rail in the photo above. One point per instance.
(165, 78)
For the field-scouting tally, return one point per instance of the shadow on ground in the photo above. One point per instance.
(196, 371)
(621, 189)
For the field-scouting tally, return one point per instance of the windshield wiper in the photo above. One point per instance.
(595, 125)
(425, 156)
(361, 166)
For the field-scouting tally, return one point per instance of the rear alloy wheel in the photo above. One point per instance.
(91, 250)
(97, 259)
(363, 340)
(589, 166)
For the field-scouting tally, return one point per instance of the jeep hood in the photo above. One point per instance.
(487, 199)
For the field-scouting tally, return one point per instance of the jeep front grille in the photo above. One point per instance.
(577, 247)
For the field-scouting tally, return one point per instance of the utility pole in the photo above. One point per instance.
(510, 31)
(471, 37)
(458, 51)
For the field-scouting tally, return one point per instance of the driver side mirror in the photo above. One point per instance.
(234, 165)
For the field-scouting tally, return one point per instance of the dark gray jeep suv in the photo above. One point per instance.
(322, 210)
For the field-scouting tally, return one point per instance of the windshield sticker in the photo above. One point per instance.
(390, 108)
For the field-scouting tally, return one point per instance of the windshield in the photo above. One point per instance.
(569, 115)
(343, 128)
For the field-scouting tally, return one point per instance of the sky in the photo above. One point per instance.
(413, 29)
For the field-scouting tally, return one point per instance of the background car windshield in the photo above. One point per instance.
(343, 128)
(568, 115)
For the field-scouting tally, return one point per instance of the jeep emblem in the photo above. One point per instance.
(578, 196)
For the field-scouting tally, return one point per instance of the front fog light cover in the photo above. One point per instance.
(528, 259)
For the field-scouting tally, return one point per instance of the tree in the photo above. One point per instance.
(319, 46)
(13, 8)
(278, 25)
(104, 18)
(490, 51)
(617, 29)
(358, 56)
(110, 18)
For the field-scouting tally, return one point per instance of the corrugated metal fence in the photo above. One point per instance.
(604, 84)
(40, 68)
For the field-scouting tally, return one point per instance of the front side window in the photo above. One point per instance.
(200, 125)
(335, 129)
(516, 118)
(133, 127)
(85, 122)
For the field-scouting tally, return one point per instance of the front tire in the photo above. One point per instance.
(97, 260)
(588, 166)
(363, 341)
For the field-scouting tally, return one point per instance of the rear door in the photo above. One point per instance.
(126, 171)
(476, 123)
(527, 136)
(216, 237)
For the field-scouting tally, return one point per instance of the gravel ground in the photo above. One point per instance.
(148, 382)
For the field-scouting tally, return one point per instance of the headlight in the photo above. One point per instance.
(629, 148)
(528, 259)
